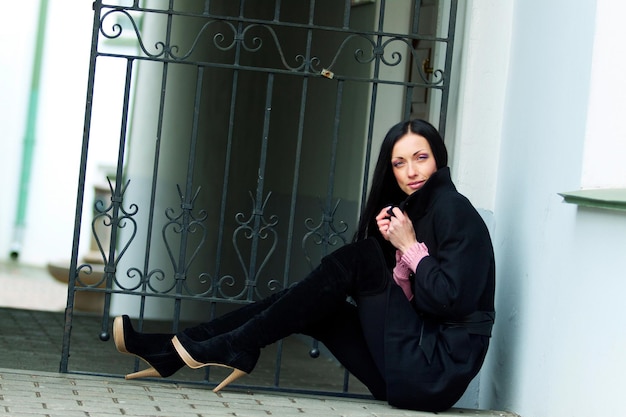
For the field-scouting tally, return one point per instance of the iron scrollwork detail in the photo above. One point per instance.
(114, 217)
(242, 35)
(325, 233)
(184, 224)
(255, 228)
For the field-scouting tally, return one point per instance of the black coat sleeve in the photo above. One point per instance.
(451, 281)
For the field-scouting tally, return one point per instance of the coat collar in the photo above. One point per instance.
(417, 203)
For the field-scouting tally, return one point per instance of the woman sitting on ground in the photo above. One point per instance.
(422, 274)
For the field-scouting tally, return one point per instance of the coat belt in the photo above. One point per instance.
(479, 322)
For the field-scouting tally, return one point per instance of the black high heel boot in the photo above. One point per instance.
(353, 269)
(155, 349)
(217, 351)
(231, 320)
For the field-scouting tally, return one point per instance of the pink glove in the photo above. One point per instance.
(404, 266)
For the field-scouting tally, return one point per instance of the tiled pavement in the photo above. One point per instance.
(27, 393)
(30, 385)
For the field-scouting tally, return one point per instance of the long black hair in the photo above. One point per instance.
(384, 190)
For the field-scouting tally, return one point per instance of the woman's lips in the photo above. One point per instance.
(415, 185)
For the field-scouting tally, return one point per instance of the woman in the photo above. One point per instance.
(421, 271)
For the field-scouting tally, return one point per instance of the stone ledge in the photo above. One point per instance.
(607, 198)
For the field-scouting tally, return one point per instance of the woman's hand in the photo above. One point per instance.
(397, 229)
(383, 219)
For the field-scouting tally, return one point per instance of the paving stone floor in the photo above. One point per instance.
(31, 339)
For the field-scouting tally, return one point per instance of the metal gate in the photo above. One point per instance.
(244, 132)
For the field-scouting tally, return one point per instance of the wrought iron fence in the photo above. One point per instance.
(245, 134)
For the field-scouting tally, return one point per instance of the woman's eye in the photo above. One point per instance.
(422, 156)
(397, 164)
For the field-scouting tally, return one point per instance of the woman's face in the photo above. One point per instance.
(412, 162)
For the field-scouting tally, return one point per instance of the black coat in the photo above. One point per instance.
(432, 371)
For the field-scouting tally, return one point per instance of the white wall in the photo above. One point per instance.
(59, 131)
(605, 144)
(558, 346)
(51, 202)
(477, 107)
(542, 142)
(15, 65)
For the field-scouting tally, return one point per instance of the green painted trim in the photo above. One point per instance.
(608, 198)
(28, 148)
